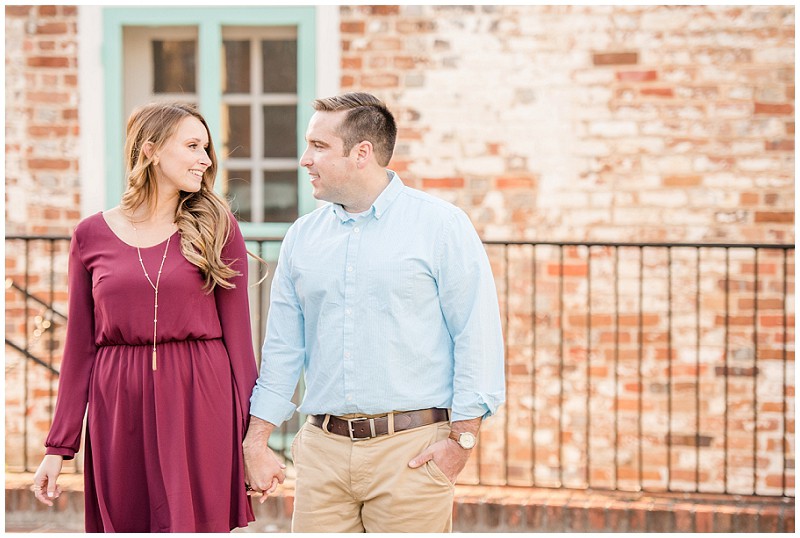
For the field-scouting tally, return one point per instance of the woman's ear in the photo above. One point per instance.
(147, 149)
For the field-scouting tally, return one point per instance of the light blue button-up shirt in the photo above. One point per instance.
(393, 310)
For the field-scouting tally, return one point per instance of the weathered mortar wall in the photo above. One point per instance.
(657, 123)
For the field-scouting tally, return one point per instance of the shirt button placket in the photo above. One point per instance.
(350, 281)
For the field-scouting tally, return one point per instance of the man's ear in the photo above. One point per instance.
(364, 153)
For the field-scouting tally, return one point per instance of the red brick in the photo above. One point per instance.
(774, 216)
(746, 520)
(724, 520)
(595, 519)
(49, 164)
(18, 11)
(352, 27)
(779, 145)
(404, 62)
(773, 109)
(384, 10)
(769, 520)
(555, 515)
(682, 181)
(514, 182)
(415, 27)
(47, 97)
(47, 11)
(657, 92)
(576, 514)
(684, 517)
(352, 62)
(535, 515)
(48, 61)
(385, 80)
(615, 58)
(52, 28)
(704, 519)
(637, 76)
(638, 516)
(443, 182)
(48, 130)
(749, 198)
(514, 517)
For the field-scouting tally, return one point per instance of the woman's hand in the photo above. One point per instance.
(45, 487)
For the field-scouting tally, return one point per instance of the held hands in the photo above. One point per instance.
(448, 456)
(45, 487)
(263, 470)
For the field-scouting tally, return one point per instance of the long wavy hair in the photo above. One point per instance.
(202, 217)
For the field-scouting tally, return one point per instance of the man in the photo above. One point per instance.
(385, 298)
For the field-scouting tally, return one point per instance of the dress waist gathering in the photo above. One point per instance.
(160, 342)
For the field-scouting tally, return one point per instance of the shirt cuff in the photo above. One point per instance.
(482, 405)
(269, 406)
(67, 453)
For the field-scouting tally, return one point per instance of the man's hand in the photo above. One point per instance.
(263, 471)
(448, 454)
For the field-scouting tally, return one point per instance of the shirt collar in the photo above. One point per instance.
(381, 203)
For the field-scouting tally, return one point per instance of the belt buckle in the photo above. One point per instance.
(351, 431)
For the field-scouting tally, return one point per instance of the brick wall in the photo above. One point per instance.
(657, 123)
(42, 132)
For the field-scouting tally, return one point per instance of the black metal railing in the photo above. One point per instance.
(629, 366)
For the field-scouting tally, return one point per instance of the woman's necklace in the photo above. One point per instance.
(155, 286)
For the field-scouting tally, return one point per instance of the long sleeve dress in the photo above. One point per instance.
(163, 447)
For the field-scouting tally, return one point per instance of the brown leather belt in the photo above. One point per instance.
(359, 429)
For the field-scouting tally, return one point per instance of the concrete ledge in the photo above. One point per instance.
(478, 509)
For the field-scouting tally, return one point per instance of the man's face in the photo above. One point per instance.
(329, 168)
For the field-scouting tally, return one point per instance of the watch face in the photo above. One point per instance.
(467, 440)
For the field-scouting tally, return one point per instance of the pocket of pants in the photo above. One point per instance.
(437, 474)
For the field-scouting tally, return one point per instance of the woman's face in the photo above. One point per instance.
(183, 160)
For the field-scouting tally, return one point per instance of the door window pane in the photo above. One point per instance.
(237, 132)
(174, 66)
(239, 194)
(279, 66)
(280, 131)
(236, 74)
(280, 196)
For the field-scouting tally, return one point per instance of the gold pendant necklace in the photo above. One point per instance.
(154, 286)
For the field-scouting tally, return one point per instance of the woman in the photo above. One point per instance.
(158, 343)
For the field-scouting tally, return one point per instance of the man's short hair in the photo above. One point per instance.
(367, 119)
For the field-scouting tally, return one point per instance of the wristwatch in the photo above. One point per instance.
(466, 440)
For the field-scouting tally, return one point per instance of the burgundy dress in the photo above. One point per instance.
(164, 447)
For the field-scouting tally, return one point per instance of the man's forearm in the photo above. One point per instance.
(258, 432)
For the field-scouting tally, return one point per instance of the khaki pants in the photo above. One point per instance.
(367, 486)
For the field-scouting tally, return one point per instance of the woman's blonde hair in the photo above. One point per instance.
(203, 216)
